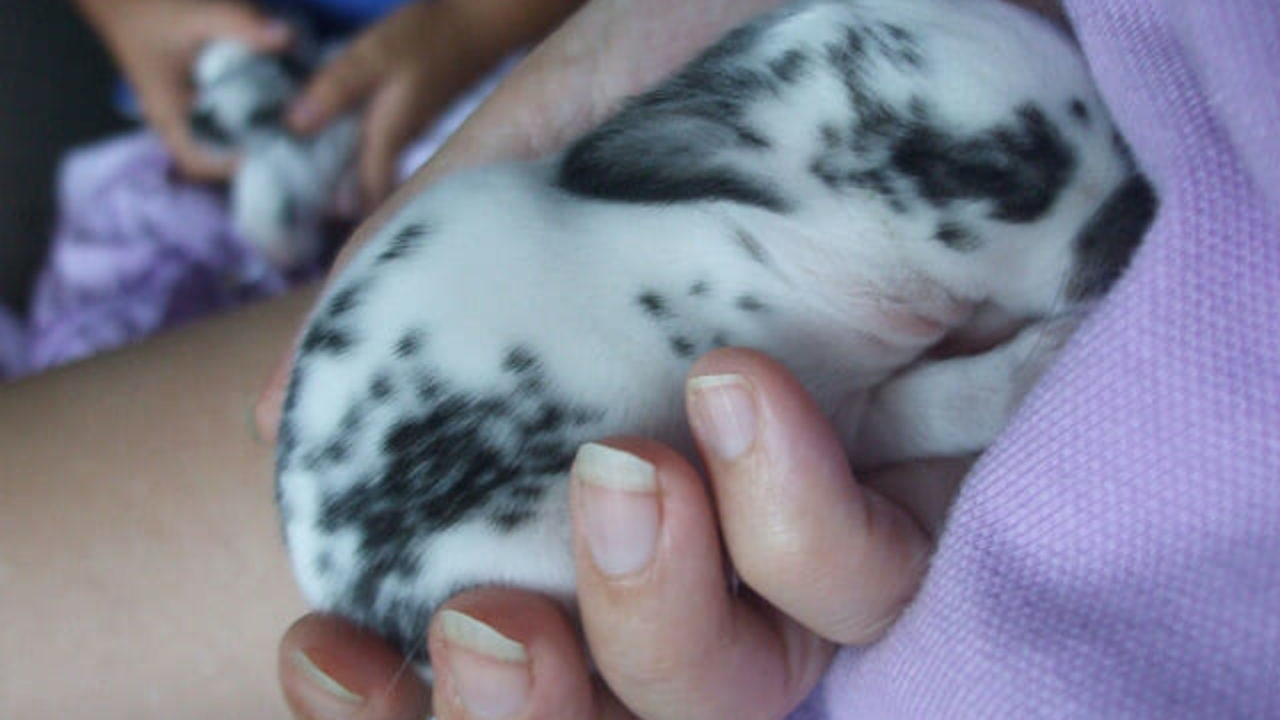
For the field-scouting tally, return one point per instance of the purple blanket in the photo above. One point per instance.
(134, 251)
(137, 249)
(1117, 553)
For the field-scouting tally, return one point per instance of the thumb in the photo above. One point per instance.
(260, 32)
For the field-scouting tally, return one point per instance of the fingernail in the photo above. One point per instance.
(620, 508)
(723, 411)
(490, 671)
(324, 696)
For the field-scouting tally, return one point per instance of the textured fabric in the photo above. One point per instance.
(137, 249)
(333, 16)
(1117, 553)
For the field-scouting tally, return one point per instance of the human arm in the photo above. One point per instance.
(405, 68)
(155, 43)
(142, 573)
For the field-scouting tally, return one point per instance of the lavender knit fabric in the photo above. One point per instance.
(1117, 553)
(134, 251)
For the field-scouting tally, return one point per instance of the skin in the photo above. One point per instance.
(155, 43)
(405, 69)
(399, 72)
(141, 569)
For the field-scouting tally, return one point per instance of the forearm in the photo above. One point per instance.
(106, 15)
(141, 568)
(497, 27)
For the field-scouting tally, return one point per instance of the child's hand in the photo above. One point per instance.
(406, 67)
(155, 43)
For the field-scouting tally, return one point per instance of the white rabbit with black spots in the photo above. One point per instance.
(841, 184)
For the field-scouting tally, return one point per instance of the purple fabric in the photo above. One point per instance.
(1117, 553)
(135, 251)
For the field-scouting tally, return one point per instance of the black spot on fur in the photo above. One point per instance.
(337, 448)
(700, 288)
(408, 345)
(956, 237)
(344, 301)
(509, 520)
(899, 33)
(1108, 240)
(655, 306)
(1079, 111)
(682, 346)
(751, 245)
(520, 359)
(286, 435)
(897, 44)
(460, 456)
(380, 388)
(830, 135)
(825, 174)
(408, 239)
(325, 338)
(750, 303)
(790, 66)
(876, 180)
(686, 175)
(328, 333)
(1019, 168)
(668, 145)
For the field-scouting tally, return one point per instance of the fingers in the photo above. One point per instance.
(340, 85)
(330, 669)
(669, 637)
(398, 111)
(165, 104)
(838, 558)
(501, 653)
(158, 63)
(259, 32)
(215, 20)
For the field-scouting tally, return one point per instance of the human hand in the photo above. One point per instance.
(407, 67)
(155, 43)
(822, 560)
(403, 70)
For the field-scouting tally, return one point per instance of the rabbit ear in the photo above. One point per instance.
(685, 140)
(1106, 243)
(646, 155)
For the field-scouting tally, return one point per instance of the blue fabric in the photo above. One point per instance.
(335, 15)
